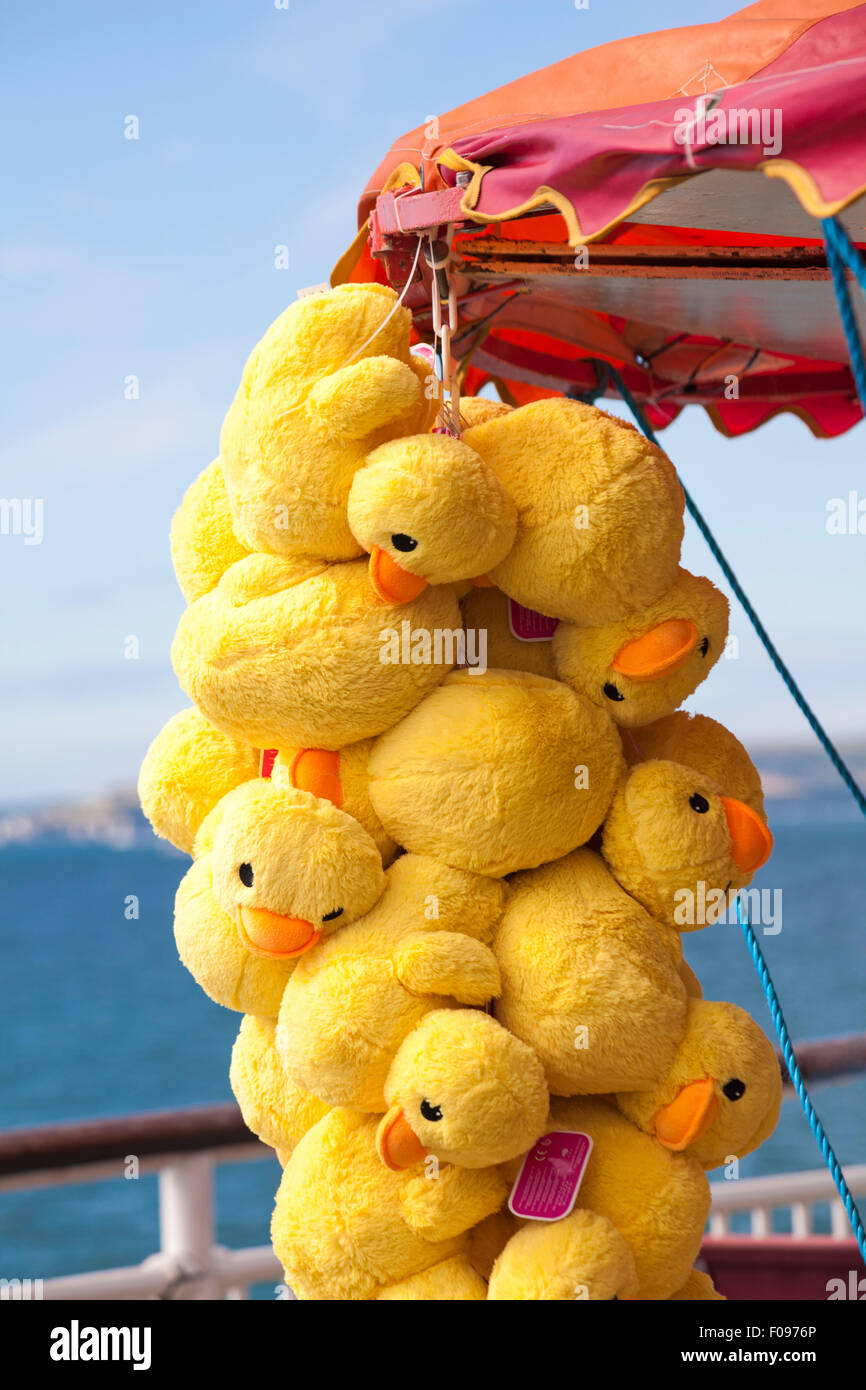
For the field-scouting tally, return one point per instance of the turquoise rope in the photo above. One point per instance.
(827, 1151)
(840, 253)
(811, 718)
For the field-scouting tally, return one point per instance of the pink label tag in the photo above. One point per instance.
(527, 625)
(550, 1176)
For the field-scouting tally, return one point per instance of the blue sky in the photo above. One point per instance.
(155, 258)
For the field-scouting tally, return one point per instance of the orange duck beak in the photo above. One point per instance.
(393, 584)
(658, 652)
(316, 770)
(688, 1116)
(397, 1144)
(751, 841)
(273, 935)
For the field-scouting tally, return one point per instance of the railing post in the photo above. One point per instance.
(186, 1225)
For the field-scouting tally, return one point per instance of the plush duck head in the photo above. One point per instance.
(290, 868)
(496, 772)
(599, 510)
(429, 511)
(643, 666)
(697, 741)
(722, 1095)
(675, 841)
(463, 1089)
(331, 380)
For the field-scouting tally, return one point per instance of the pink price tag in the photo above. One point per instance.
(550, 1176)
(527, 625)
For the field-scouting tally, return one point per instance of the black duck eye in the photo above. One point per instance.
(403, 542)
(332, 916)
(431, 1112)
(699, 803)
(612, 693)
(734, 1089)
(246, 875)
(704, 646)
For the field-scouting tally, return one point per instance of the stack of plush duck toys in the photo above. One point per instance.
(446, 901)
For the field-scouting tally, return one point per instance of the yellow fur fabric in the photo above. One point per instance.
(599, 510)
(722, 1042)
(484, 1087)
(496, 772)
(302, 664)
(587, 979)
(584, 656)
(210, 947)
(187, 769)
(451, 1281)
(277, 1111)
(583, 1256)
(331, 379)
(486, 610)
(697, 741)
(657, 1200)
(307, 859)
(434, 491)
(354, 793)
(698, 1288)
(346, 1227)
(660, 849)
(203, 541)
(356, 996)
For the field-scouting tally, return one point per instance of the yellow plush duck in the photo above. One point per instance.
(589, 980)
(354, 998)
(702, 743)
(643, 666)
(645, 1174)
(331, 379)
(429, 511)
(678, 844)
(290, 654)
(496, 772)
(599, 510)
(276, 870)
(369, 1208)
(191, 765)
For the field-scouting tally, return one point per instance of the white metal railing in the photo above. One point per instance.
(190, 1265)
(797, 1193)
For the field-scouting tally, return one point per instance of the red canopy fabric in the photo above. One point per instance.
(692, 165)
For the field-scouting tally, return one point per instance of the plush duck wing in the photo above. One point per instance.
(361, 398)
(444, 1207)
(447, 963)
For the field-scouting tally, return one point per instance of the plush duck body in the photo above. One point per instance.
(347, 1227)
(588, 978)
(496, 772)
(273, 1108)
(353, 1002)
(288, 655)
(656, 1201)
(599, 510)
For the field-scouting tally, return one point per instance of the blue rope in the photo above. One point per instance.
(827, 1151)
(840, 253)
(811, 718)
